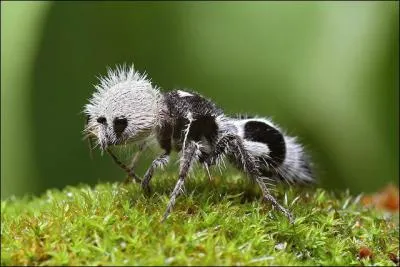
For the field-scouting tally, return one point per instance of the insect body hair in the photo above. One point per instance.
(297, 166)
(126, 108)
(277, 155)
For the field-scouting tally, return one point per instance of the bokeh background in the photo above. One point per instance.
(325, 71)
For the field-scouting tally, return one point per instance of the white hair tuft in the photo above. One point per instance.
(124, 93)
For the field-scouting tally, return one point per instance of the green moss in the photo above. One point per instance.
(218, 223)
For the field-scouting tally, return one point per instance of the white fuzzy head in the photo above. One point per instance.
(124, 108)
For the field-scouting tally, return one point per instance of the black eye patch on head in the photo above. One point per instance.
(101, 120)
(120, 125)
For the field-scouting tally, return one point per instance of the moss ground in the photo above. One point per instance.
(223, 222)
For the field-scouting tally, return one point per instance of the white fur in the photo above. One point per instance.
(292, 168)
(183, 93)
(124, 93)
(190, 118)
(256, 149)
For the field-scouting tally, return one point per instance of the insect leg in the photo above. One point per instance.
(124, 167)
(233, 145)
(159, 162)
(267, 196)
(188, 155)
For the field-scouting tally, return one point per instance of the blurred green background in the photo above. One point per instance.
(325, 71)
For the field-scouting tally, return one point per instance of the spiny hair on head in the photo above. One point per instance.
(121, 73)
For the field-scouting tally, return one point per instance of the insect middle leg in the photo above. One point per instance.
(188, 156)
(233, 145)
(159, 162)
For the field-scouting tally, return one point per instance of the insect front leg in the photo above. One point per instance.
(233, 145)
(159, 162)
(130, 172)
(188, 156)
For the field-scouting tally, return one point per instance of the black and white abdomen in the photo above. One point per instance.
(264, 140)
(277, 155)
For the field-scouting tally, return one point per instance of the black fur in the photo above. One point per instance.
(203, 125)
(120, 125)
(261, 132)
(191, 120)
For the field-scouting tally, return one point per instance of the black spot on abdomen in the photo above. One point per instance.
(259, 131)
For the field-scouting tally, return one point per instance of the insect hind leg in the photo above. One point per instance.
(232, 145)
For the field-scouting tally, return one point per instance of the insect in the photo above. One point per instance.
(127, 108)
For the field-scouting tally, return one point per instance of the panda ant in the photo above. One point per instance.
(127, 108)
